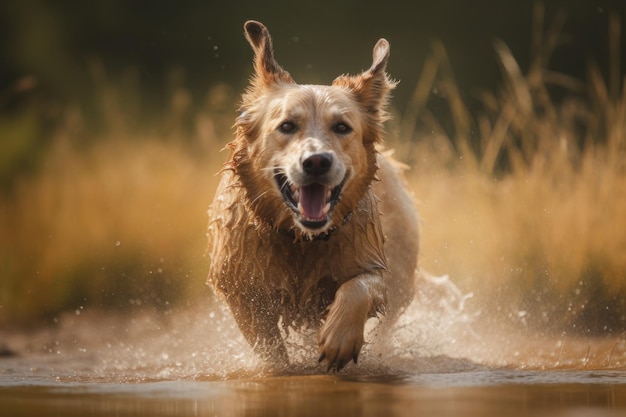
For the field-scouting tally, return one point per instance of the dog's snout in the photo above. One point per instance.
(317, 164)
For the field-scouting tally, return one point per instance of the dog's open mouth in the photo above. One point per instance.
(312, 203)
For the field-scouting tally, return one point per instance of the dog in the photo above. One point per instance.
(311, 224)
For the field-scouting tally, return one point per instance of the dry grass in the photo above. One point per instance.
(115, 221)
(121, 223)
(523, 205)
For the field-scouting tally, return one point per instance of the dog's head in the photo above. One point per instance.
(305, 154)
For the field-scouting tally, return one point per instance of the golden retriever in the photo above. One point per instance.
(311, 225)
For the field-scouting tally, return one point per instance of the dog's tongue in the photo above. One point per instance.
(313, 201)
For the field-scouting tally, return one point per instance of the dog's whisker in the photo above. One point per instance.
(258, 198)
(285, 184)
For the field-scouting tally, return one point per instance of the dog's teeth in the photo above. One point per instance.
(329, 193)
(296, 193)
(326, 209)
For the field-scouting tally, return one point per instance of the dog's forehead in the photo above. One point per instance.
(329, 97)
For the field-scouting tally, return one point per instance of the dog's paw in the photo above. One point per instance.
(337, 355)
(341, 338)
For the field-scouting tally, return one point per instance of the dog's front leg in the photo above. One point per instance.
(258, 323)
(341, 336)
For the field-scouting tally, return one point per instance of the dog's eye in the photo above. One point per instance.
(342, 128)
(288, 127)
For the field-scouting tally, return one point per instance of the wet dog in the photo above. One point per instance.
(311, 225)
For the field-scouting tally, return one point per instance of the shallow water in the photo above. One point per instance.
(441, 359)
(475, 393)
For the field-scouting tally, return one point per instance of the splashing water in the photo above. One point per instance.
(439, 332)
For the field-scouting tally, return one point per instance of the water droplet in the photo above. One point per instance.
(117, 243)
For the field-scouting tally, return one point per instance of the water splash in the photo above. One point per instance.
(442, 331)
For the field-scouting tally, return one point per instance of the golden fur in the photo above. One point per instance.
(296, 231)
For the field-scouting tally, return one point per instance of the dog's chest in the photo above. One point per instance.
(307, 262)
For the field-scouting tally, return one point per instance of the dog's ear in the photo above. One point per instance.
(267, 70)
(372, 86)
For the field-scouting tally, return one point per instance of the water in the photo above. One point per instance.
(443, 358)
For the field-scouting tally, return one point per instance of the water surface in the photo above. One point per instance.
(441, 359)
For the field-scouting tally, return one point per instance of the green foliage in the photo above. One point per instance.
(19, 146)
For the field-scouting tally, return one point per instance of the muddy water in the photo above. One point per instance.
(441, 359)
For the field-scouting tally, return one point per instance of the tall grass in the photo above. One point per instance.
(523, 198)
(525, 204)
(112, 221)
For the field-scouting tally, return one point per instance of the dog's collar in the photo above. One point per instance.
(322, 236)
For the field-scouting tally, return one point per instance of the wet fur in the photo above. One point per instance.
(269, 266)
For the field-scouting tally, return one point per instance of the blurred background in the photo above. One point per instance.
(511, 114)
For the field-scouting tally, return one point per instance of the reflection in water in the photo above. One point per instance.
(443, 358)
(326, 395)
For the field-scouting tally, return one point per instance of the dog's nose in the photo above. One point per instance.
(317, 164)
